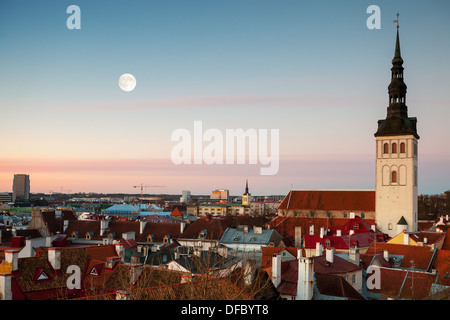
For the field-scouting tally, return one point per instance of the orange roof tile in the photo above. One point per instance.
(329, 200)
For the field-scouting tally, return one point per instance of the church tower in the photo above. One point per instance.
(396, 158)
(246, 196)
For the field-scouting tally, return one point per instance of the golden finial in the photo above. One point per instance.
(396, 21)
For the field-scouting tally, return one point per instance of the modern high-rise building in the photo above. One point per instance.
(21, 188)
(396, 159)
(185, 196)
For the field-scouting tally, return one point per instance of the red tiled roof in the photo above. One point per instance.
(268, 252)
(419, 256)
(176, 213)
(442, 263)
(405, 284)
(329, 200)
(214, 227)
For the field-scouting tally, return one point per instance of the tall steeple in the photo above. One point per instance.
(396, 180)
(397, 121)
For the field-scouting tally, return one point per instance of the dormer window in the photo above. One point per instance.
(74, 234)
(203, 234)
(111, 235)
(150, 238)
(89, 235)
(166, 239)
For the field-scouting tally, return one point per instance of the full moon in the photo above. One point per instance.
(127, 82)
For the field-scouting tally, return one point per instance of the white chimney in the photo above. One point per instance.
(329, 255)
(311, 230)
(276, 269)
(5, 286)
(249, 272)
(299, 253)
(182, 226)
(351, 232)
(135, 271)
(305, 281)
(12, 257)
(373, 227)
(142, 226)
(103, 226)
(298, 237)
(54, 257)
(339, 232)
(354, 255)
(319, 249)
(322, 231)
(386, 255)
(66, 225)
(425, 240)
(405, 238)
(352, 215)
(119, 250)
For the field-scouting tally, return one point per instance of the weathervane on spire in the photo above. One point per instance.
(396, 21)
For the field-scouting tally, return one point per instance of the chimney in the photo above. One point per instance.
(249, 272)
(276, 269)
(299, 253)
(66, 225)
(351, 232)
(386, 255)
(142, 226)
(405, 238)
(135, 259)
(305, 281)
(103, 226)
(354, 256)
(58, 214)
(54, 257)
(339, 232)
(120, 250)
(5, 286)
(329, 255)
(311, 230)
(352, 215)
(122, 295)
(135, 271)
(111, 262)
(182, 226)
(298, 237)
(425, 240)
(245, 229)
(319, 249)
(322, 231)
(12, 257)
(257, 230)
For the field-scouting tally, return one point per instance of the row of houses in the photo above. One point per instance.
(338, 253)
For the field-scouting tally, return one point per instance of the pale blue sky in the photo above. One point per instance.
(311, 69)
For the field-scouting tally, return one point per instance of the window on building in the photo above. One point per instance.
(394, 177)
(402, 147)
(394, 148)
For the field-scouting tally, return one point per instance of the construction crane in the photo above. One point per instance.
(142, 188)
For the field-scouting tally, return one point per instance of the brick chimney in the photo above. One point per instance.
(276, 269)
(305, 281)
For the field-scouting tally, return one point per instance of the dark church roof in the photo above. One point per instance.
(397, 121)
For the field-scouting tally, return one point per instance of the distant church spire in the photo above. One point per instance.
(246, 186)
(397, 121)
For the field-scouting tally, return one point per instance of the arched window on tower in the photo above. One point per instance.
(386, 148)
(394, 177)
(394, 148)
(402, 147)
